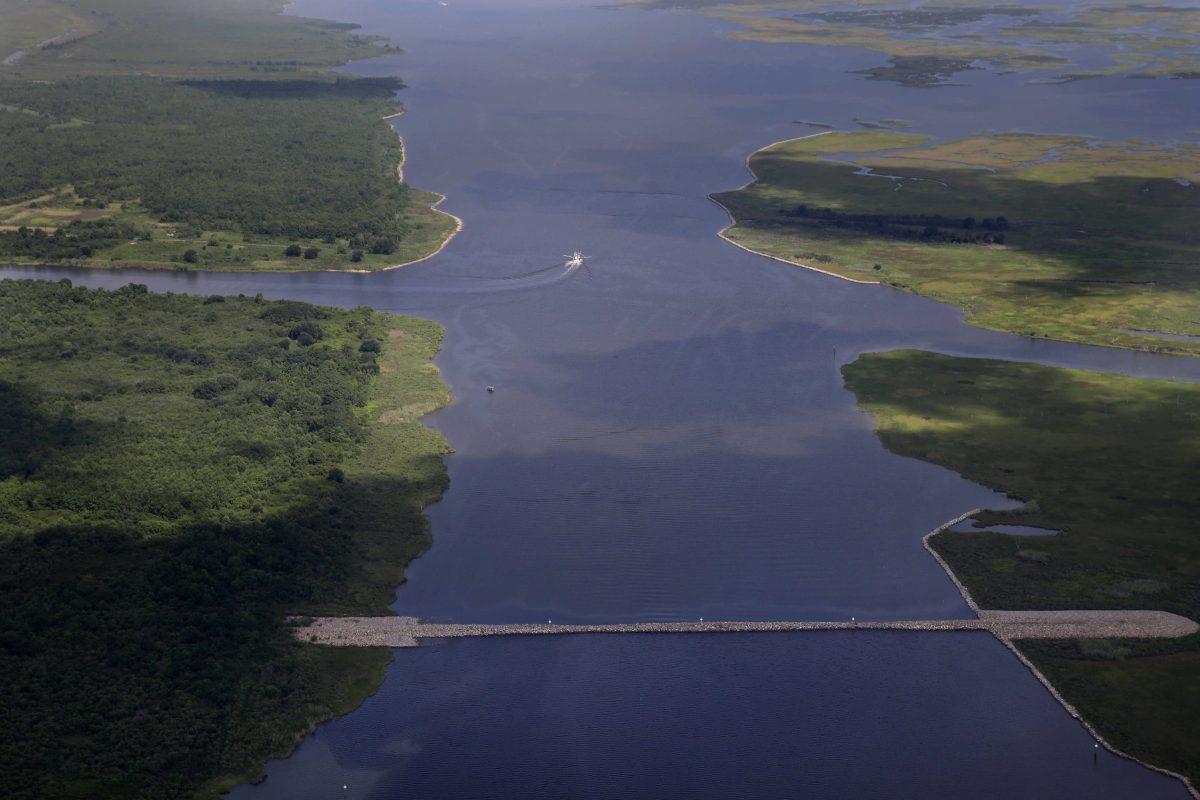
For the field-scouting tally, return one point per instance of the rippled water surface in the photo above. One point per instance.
(670, 438)
(719, 717)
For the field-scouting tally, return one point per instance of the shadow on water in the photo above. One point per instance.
(732, 716)
(629, 529)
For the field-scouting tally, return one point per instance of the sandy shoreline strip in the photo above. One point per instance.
(458, 223)
(724, 232)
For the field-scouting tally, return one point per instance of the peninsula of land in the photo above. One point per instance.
(1060, 237)
(201, 136)
(1105, 465)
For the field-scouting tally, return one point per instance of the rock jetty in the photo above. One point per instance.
(1006, 625)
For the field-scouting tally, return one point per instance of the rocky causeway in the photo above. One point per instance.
(400, 631)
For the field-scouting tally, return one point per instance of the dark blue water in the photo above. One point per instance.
(670, 438)
(724, 717)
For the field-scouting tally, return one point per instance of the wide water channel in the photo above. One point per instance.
(669, 437)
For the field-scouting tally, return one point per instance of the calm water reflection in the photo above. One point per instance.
(726, 717)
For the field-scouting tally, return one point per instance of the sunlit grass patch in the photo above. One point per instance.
(1109, 462)
(1054, 236)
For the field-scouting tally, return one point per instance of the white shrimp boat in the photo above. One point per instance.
(574, 260)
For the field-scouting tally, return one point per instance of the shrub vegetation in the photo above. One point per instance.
(1107, 460)
(179, 475)
(206, 161)
(1053, 236)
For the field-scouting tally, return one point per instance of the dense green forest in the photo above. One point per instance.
(174, 38)
(179, 475)
(1106, 460)
(217, 161)
(299, 159)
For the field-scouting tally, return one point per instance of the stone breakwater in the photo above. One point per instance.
(1006, 625)
(945, 526)
(1037, 673)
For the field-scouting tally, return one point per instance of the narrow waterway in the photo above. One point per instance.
(669, 437)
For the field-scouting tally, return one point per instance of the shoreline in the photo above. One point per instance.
(1097, 335)
(458, 226)
(174, 267)
(258, 773)
(458, 222)
(723, 233)
(1037, 673)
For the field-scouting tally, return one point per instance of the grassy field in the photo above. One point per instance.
(193, 135)
(28, 25)
(175, 38)
(179, 475)
(1109, 461)
(1152, 40)
(912, 59)
(928, 43)
(1050, 236)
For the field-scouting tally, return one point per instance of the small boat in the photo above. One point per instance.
(574, 260)
(491, 389)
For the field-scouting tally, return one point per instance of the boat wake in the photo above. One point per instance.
(535, 278)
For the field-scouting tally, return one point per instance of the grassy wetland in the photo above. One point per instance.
(202, 136)
(1061, 237)
(1106, 460)
(1050, 236)
(928, 43)
(180, 475)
